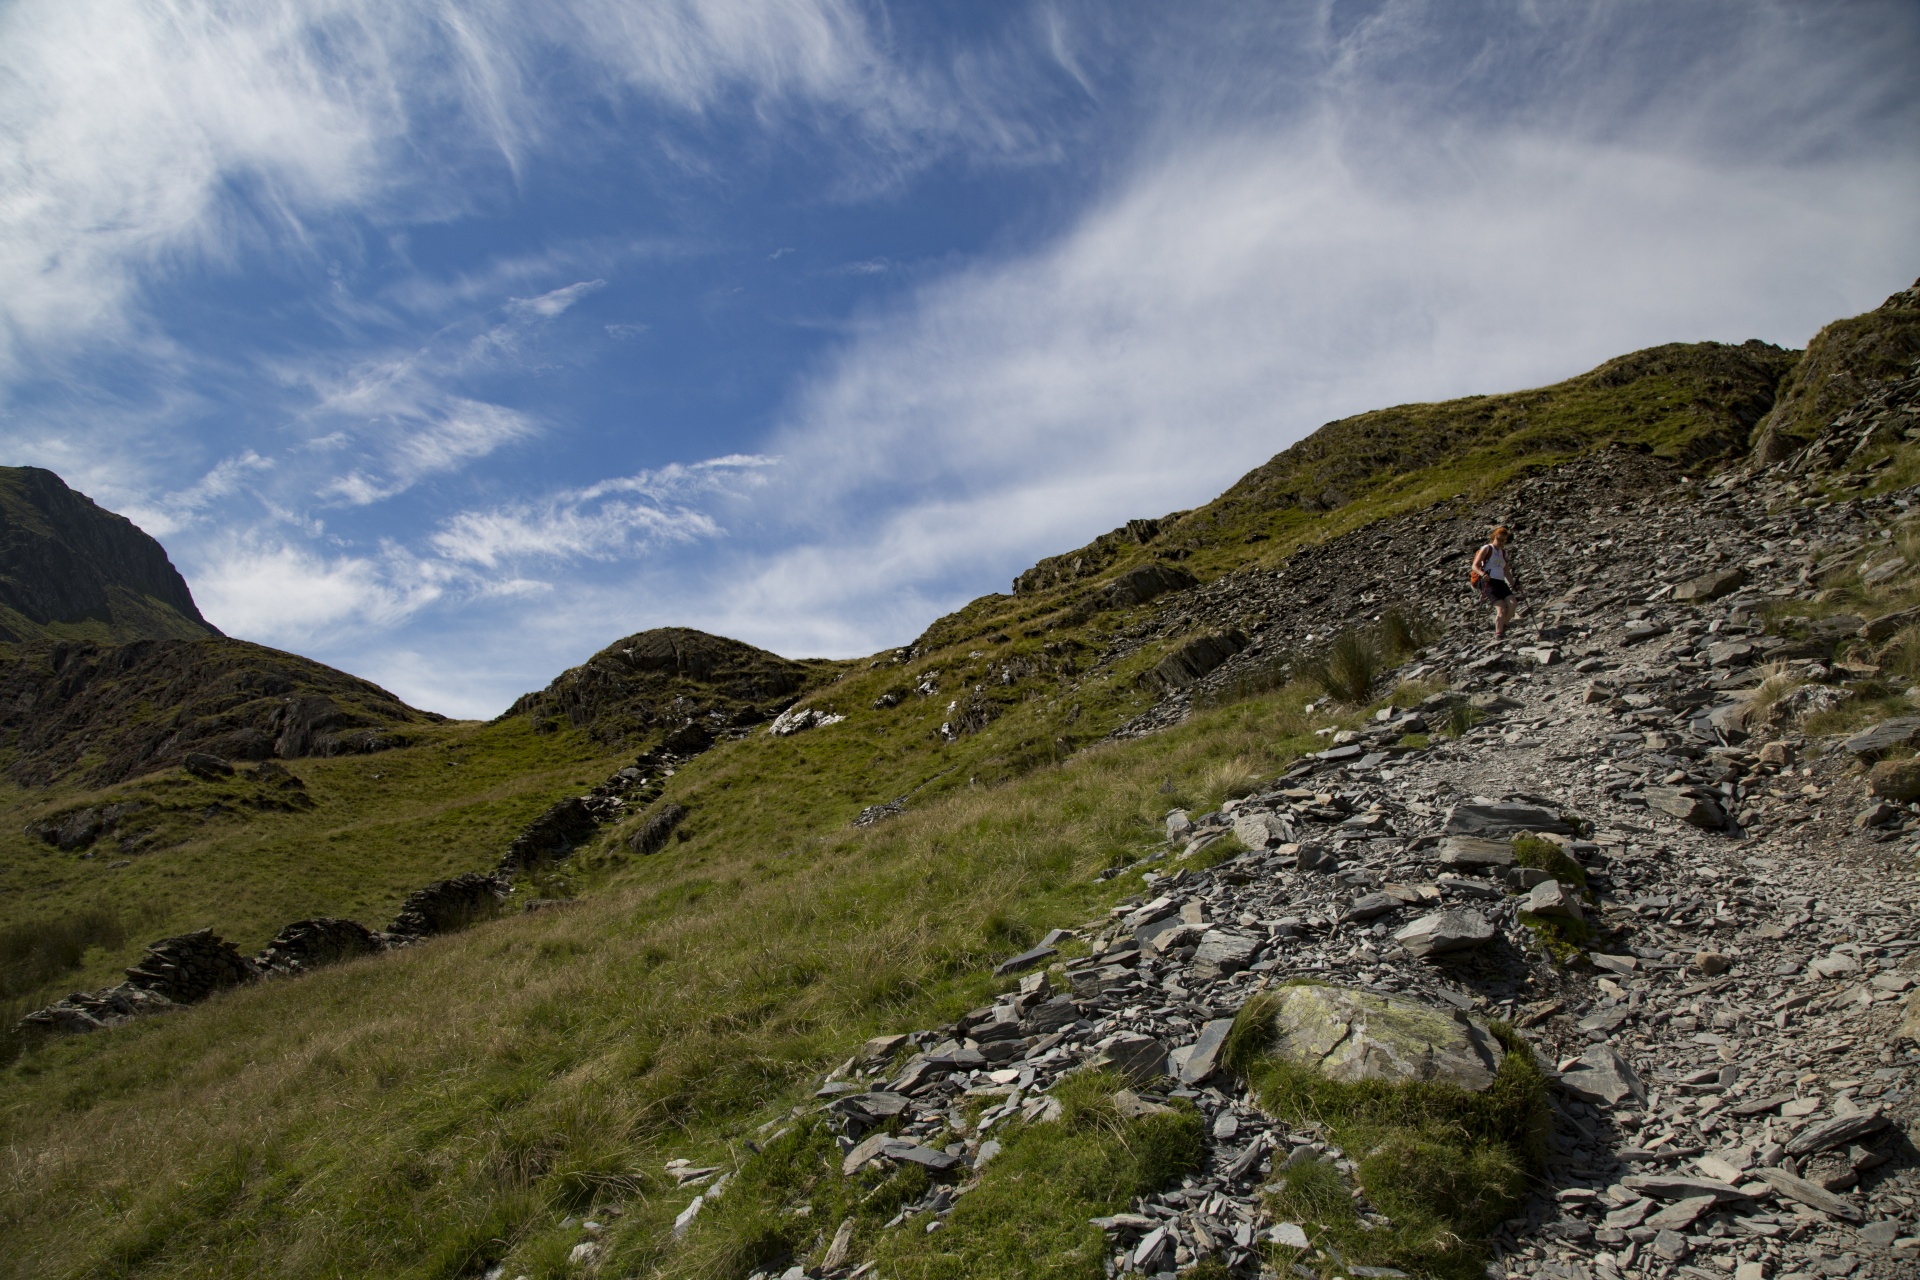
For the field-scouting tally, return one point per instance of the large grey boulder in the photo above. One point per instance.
(1195, 1062)
(1141, 1059)
(1839, 1131)
(1884, 627)
(1371, 905)
(1730, 653)
(1257, 830)
(1352, 1035)
(1503, 820)
(1455, 929)
(1729, 719)
(1551, 898)
(1220, 954)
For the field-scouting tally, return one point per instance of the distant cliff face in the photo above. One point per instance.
(70, 570)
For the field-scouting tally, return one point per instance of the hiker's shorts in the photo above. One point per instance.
(1494, 590)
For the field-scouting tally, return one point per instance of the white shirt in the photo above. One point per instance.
(1496, 565)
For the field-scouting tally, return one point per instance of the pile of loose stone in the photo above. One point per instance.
(190, 967)
(1732, 1050)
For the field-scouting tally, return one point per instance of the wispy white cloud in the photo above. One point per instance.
(602, 521)
(293, 589)
(281, 592)
(554, 302)
(135, 136)
(175, 510)
(400, 415)
(420, 435)
(1233, 297)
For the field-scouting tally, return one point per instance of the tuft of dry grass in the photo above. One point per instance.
(1777, 681)
(1232, 779)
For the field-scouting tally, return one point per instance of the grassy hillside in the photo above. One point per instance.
(1692, 403)
(439, 1110)
(246, 855)
(429, 1112)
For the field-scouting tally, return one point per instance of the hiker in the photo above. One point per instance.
(1492, 574)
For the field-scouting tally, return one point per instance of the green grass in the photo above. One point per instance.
(1443, 1165)
(376, 828)
(418, 1113)
(1027, 1216)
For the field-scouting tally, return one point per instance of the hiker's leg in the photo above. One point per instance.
(1502, 616)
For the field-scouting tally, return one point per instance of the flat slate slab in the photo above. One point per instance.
(1810, 1194)
(1682, 803)
(1506, 819)
(1711, 586)
(1602, 1076)
(1202, 1058)
(1024, 961)
(1475, 851)
(1665, 1186)
(1898, 732)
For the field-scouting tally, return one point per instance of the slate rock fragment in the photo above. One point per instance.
(1603, 1077)
(1442, 932)
(1504, 820)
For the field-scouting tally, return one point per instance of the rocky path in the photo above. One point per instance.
(1733, 1089)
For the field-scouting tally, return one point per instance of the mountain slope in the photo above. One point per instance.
(465, 1104)
(70, 570)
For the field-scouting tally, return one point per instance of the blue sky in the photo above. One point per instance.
(447, 342)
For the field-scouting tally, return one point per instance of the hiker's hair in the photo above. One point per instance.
(1493, 534)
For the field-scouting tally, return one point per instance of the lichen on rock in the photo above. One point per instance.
(1350, 1036)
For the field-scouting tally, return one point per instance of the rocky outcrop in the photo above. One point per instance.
(554, 834)
(655, 831)
(1836, 392)
(1090, 559)
(680, 688)
(78, 828)
(1195, 659)
(70, 569)
(137, 708)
